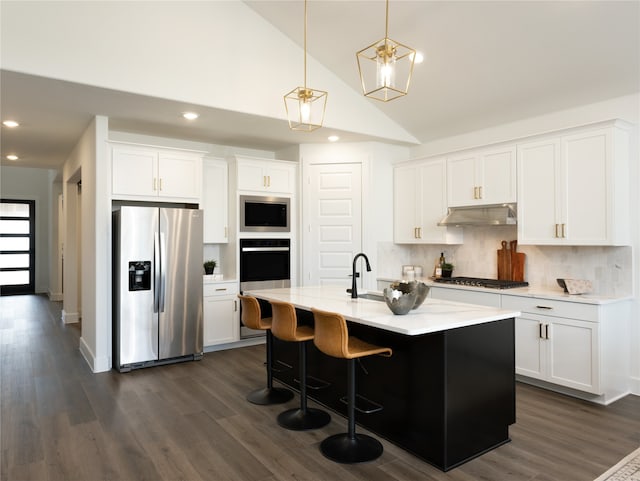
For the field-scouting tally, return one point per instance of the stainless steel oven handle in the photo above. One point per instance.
(265, 249)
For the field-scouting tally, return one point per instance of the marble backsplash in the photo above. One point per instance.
(608, 268)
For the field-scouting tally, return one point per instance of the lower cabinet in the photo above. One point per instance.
(220, 313)
(468, 296)
(558, 350)
(580, 346)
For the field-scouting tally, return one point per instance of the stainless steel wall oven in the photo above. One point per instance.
(264, 264)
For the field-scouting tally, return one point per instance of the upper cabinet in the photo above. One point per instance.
(482, 176)
(573, 189)
(153, 174)
(266, 176)
(420, 202)
(215, 201)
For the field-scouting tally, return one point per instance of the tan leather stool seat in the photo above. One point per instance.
(285, 327)
(332, 338)
(251, 316)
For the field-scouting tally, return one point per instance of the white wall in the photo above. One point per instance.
(32, 184)
(193, 52)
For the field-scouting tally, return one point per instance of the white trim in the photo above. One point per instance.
(70, 317)
(236, 344)
(55, 296)
(598, 399)
(634, 384)
(95, 364)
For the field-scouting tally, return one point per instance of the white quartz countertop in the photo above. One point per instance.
(432, 316)
(538, 293)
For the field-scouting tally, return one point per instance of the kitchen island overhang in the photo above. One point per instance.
(448, 392)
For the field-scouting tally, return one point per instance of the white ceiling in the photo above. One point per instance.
(486, 63)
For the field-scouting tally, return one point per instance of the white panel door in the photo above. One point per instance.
(334, 224)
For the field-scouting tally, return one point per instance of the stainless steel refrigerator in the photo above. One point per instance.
(157, 286)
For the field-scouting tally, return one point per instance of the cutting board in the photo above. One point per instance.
(517, 263)
(504, 262)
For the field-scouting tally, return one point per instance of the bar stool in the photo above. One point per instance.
(251, 317)
(332, 338)
(285, 326)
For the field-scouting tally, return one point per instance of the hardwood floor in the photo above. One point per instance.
(190, 421)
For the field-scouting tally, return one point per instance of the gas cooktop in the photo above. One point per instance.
(480, 282)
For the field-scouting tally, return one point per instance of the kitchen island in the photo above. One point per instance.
(446, 395)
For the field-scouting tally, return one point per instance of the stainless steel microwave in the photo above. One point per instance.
(264, 214)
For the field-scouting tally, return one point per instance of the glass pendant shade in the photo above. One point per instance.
(385, 69)
(305, 108)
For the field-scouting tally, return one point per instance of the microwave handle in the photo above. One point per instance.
(264, 249)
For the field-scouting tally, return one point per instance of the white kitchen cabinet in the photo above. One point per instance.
(482, 176)
(215, 201)
(151, 173)
(221, 323)
(469, 296)
(419, 203)
(573, 188)
(572, 345)
(266, 176)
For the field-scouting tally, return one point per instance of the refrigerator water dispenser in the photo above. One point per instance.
(140, 275)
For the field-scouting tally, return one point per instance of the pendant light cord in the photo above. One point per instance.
(386, 25)
(305, 44)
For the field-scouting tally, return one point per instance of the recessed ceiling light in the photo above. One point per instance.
(333, 138)
(419, 58)
(190, 115)
(10, 123)
(12, 157)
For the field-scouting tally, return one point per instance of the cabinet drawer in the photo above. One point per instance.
(220, 289)
(551, 307)
(490, 299)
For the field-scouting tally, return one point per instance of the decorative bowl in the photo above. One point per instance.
(421, 289)
(398, 301)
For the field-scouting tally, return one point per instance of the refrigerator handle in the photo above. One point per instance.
(163, 271)
(156, 273)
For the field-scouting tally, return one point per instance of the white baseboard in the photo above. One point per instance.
(101, 364)
(70, 317)
(254, 341)
(55, 296)
(635, 385)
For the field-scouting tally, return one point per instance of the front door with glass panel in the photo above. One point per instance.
(17, 246)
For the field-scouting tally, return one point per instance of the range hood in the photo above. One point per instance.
(497, 214)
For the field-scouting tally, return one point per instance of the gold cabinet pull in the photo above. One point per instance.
(154, 184)
(480, 192)
(419, 232)
(475, 192)
(556, 233)
(160, 188)
(563, 232)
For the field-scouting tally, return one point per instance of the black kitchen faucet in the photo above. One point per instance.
(354, 274)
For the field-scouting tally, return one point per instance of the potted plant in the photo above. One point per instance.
(209, 266)
(447, 269)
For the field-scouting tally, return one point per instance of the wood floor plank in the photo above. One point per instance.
(191, 421)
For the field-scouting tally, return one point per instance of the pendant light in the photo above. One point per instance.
(385, 67)
(305, 106)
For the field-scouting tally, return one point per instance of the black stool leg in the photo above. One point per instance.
(351, 448)
(303, 418)
(270, 394)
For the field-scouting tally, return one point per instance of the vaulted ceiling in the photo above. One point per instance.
(486, 63)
